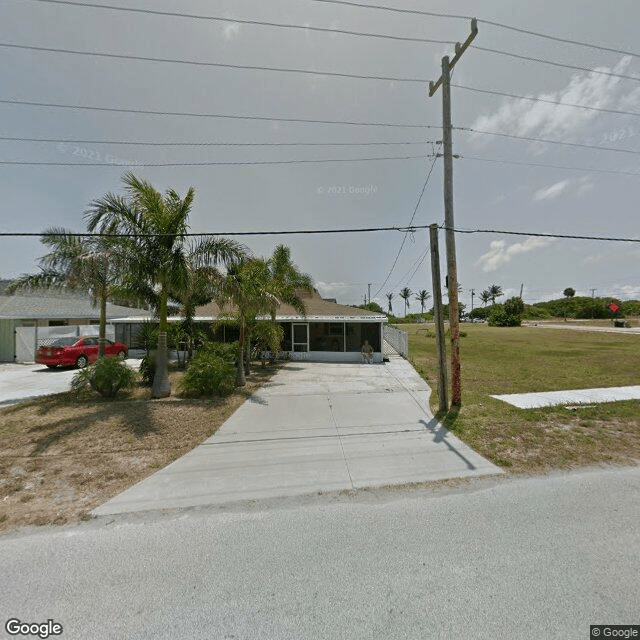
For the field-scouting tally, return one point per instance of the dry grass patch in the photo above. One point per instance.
(64, 455)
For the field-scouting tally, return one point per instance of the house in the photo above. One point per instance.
(28, 319)
(329, 332)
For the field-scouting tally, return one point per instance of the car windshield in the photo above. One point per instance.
(64, 342)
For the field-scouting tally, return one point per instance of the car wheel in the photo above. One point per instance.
(52, 366)
(122, 354)
(82, 362)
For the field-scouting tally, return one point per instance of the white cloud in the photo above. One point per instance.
(579, 187)
(231, 30)
(551, 192)
(527, 118)
(499, 253)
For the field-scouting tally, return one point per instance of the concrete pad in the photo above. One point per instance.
(316, 427)
(576, 396)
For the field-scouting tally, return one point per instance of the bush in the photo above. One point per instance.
(209, 373)
(498, 317)
(107, 376)
(480, 312)
(147, 369)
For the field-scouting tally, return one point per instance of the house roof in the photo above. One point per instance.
(32, 306)
(316, 309)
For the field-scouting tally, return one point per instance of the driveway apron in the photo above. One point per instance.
(314, 428)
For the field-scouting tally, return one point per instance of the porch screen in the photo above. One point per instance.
(326, 336)
(358, 332)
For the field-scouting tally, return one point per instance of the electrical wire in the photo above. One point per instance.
(546, 101)
(549, 166)
(316, 232)
(555, 64)
(203, 164)
(141, 143)
(221, 65)
(216, 115)
(404, 239)
(545, 140)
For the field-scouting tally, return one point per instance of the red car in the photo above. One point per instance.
(79, 351)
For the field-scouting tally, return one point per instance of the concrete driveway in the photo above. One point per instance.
(23, 381)
(314, 427)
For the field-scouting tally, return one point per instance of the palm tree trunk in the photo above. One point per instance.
(102, 332)
(161, 387)
(240, 378)
(247, 354)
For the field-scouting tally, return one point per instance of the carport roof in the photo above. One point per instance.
(38, 306)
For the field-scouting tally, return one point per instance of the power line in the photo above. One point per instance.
(545, 235)
(563, 104)
(319, 231)
(216, 115)
(404, 239)
(549, 166)
(260, 23)
(546, 140)
(141, 143)
(555, 64)
(493, 23)
(558, 39)
(220, 65)
(204, 164)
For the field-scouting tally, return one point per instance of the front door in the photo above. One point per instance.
(300, 337)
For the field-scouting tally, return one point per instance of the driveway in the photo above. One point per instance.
(23, 381)
(20, 382)
(314, 427)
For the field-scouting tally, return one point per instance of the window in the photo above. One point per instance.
(358, 332)
(326, 336)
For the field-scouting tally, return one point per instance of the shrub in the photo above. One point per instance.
(107, 376)
(147, 369)
(209, 373)
(498, 317)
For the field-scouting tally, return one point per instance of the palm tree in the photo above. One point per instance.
(485, 296)
(287, 281)
(495, 291)
(154, 235)
(87, 264)
(390, 298)
(243, 295)
(422, 297)
(405, 294)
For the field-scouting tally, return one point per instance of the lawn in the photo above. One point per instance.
(63, 455)
(499, 360)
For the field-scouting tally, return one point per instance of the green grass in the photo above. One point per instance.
(498, 360)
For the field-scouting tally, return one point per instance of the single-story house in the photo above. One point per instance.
(328, 332)
(26, 319)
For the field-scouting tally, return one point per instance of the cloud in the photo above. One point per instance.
(579, 187)
(499, 253)
(231, 30)
(527, 118)
(551, 192)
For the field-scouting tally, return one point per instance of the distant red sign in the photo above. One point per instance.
(614, 307)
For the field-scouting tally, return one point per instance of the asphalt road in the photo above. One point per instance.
(491, 558)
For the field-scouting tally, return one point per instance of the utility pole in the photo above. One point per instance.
(452, 271)
(593, 293)
(473, 293)
(521, 288)
(438, 318)
(369, 285)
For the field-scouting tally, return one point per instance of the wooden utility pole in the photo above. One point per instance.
(473, 293)
(452, 271)
(438, 317)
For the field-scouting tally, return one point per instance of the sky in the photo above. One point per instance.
(538, 187)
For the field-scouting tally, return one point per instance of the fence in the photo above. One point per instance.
(28, 339)
(399, 340)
